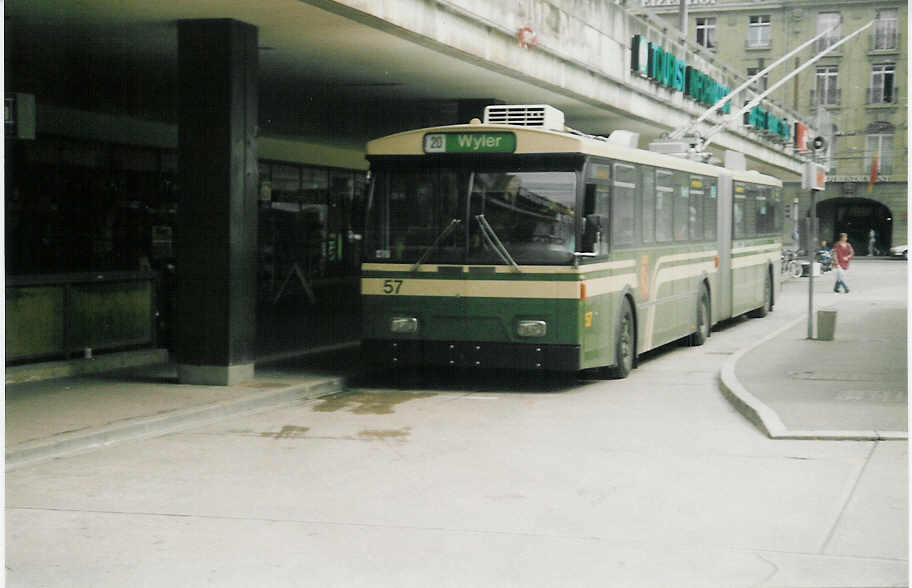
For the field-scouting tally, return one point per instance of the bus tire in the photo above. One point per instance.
(624, 342)
(767, 299)
(704, 319)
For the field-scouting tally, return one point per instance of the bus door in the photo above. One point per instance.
(722, 302)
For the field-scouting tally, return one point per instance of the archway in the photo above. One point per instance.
(856, 217)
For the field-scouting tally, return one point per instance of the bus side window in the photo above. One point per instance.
(709, 217)
(778, 210)
(764, 218)
(681, 206)
(738, 211)
(750, 211)
(664, 194)
(696, 208)
(596, 218)
(648, 229)
(622, 204)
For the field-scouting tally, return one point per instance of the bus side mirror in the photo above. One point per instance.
(592, 233)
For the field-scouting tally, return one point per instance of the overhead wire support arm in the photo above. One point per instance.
(683, 131)
(813, 60)
(747, 107)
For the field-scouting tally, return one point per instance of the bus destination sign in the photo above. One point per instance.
(469, 143)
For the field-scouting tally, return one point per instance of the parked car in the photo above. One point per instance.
(900, 251)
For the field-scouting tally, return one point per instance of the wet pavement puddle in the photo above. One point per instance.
(364, 403)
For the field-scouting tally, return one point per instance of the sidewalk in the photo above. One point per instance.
(55, 417)
(854, 387)
(57, 408)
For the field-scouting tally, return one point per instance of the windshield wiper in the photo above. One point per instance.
(443, 235)
(491, 238)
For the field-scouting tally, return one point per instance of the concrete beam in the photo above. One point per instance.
(582, 53)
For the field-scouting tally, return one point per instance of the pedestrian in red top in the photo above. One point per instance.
(842, 255)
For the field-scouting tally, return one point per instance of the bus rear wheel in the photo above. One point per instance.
(624, 342)
(700, 336)
(767, 299)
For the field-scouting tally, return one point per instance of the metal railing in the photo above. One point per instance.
(882, 95)
(758, 43)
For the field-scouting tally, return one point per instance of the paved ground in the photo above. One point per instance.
(853, 386)
(466, 480)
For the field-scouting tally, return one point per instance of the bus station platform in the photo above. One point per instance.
(854, 387)
(56, 408)
(56, 417)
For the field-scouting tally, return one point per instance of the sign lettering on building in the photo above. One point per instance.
(676, 3)
(864, 179)
(651, 61)
(761, 120)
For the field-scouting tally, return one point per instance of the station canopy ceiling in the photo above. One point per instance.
(322, 75)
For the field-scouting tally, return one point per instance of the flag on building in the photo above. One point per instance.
(873, 174)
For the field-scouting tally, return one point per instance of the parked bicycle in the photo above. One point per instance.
(790, 264)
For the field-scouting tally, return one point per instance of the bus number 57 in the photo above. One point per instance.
(391, 286)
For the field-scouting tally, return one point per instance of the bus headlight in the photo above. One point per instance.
(404, 325)
(531, 328)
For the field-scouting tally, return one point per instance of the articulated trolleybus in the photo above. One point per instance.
(519, 243)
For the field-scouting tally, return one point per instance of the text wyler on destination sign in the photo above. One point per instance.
(469, 143)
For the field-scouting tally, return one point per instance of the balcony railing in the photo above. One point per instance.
(883, 95)
(828, 97)
(758, 43)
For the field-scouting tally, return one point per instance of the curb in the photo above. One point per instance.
(142, 428)
(283, 355)
(768, 421)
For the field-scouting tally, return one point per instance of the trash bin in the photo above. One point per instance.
(826, 324)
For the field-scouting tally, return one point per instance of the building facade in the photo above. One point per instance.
(853, 94)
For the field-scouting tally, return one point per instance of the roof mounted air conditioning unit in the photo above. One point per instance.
(525, 115)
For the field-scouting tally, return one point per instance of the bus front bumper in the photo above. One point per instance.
(481, 354)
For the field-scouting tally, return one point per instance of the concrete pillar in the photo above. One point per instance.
(216, 232)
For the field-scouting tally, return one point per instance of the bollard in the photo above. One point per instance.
(826, 324)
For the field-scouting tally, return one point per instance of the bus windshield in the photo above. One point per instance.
(458, 215)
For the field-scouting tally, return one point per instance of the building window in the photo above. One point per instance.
(825, 22)
(885, 30)
(758, 33)
(827, 93)
(882, 90)
(761, 84)
(881, 148)
(706, 32)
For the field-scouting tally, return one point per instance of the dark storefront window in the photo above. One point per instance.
(76, 206)
(308, 218)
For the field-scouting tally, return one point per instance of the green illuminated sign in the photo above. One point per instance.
(469, 143)
(761, 120)
(652, 61)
